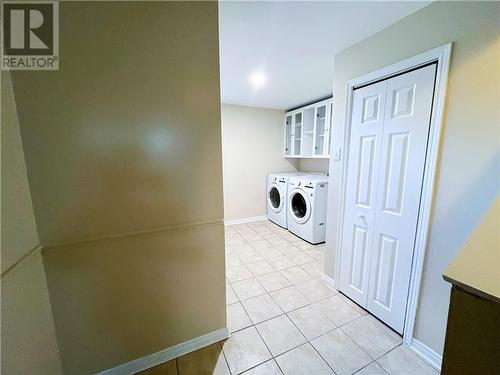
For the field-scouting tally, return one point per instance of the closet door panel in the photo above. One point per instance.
(402, 160)
(361, 190)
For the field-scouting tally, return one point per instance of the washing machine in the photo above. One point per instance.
(277, 191)
(306, 207)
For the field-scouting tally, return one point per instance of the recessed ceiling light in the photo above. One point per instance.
(258, 79)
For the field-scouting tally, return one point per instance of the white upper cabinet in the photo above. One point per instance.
(298, 122)
(288, 135)
(307, 131)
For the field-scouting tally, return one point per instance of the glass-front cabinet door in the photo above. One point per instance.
(320, 130)
(329, 125)
(288, 135)
(297, 134)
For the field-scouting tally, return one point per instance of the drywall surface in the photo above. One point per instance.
(19, 234)
(314, 165)
(28, 339)
(476, 268)
(120, 299)
(124, 162)
(252, 147)
(469, 161)
(126, 135)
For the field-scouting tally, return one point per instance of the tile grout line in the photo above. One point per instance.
(224, 355)
(310, 341)
(300, 266)
(256, 329)
(350, 338)
(269, 294)
(376, 360)
(317, 351)
(285, 313)
(310, 302)
(299, 250)
(362, 313)
(307, 341)
(289, 286)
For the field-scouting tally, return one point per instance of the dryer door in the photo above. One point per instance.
(275, 197)
(299, 206)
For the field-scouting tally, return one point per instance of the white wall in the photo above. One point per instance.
(469, 161)
(314, 165)
(252, 147)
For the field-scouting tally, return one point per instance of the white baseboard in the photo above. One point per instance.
(329, 281)
(427, 354)
(245, 220)
(167, 354)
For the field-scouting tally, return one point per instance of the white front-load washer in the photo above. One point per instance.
(277, 191)
(306, 207)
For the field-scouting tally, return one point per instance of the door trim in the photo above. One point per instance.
(441, 55)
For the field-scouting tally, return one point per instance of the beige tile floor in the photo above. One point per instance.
(284, 319)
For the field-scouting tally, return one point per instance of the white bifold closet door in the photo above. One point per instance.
(389, 131)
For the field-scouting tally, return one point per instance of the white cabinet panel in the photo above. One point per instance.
(307, 131)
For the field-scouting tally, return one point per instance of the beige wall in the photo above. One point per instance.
(123, 154)
(476, 268)
(19, 234)
(467, 178)
(28, 338)
(252, 144)
(121, 299)
(126, 134)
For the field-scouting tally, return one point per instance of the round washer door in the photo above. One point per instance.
(299, 206)
(275, 197)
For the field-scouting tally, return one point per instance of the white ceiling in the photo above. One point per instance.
(293, 44)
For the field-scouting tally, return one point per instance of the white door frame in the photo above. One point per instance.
(441, 55)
